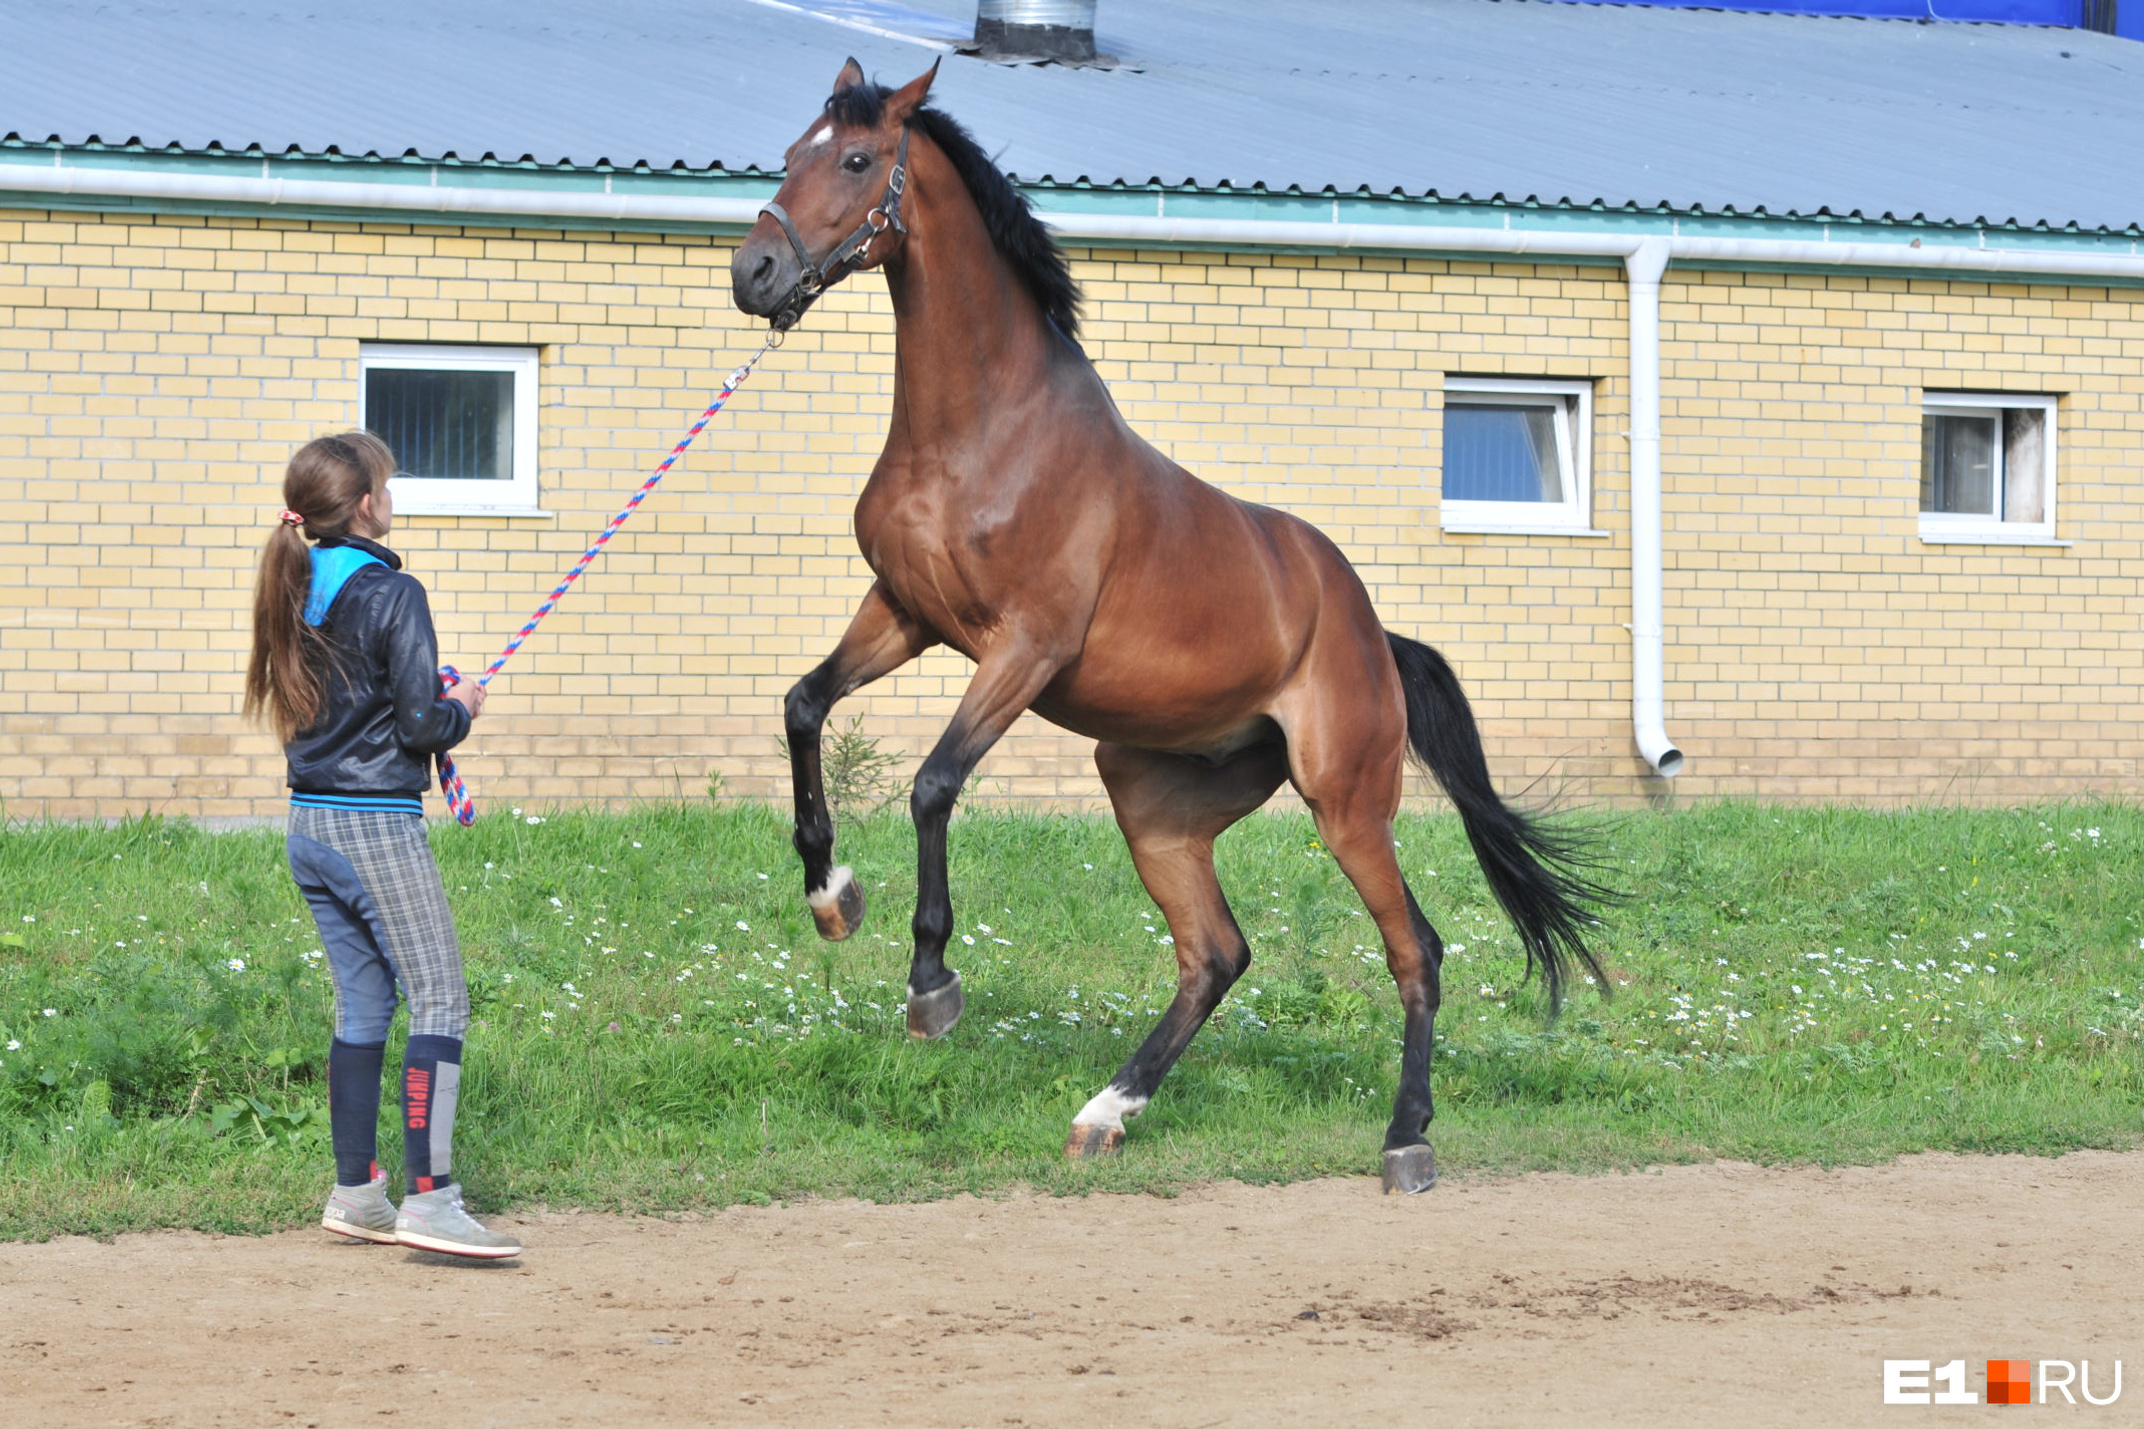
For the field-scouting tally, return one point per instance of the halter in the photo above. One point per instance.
(850, 254)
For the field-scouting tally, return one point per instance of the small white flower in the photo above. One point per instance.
(548, 1016)
(743, 926)
(236, 965)
(13, 1045)
(636, 844)
(557, 903)
(532, 819)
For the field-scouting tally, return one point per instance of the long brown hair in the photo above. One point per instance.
(322, 485)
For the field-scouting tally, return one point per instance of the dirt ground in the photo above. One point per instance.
(1730, 1293)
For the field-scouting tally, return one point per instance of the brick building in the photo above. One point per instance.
(1815, 478)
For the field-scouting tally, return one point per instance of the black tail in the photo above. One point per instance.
(1537, 873)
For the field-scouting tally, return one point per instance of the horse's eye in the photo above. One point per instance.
(856, 163)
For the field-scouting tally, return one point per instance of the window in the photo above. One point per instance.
(1518, 456)
(1987, 468)
(460, 420)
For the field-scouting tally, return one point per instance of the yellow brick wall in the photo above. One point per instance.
(1816, 647)
(155, 373)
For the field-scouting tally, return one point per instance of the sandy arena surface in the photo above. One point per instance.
(1725, 1293)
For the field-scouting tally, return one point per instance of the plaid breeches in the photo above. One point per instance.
(383, 918)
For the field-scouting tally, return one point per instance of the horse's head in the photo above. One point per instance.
(839, 209)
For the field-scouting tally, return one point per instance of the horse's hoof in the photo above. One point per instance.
(932, 1014)
(838, 908)
(1410, 1170)
(1087, 1142)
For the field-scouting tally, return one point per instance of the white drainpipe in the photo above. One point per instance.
(1648, 701)
(1643, 258)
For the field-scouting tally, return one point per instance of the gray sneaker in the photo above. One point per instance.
(435, 1220)
(361, 1212)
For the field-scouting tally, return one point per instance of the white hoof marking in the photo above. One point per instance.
(1109, 1108)
(828, 896)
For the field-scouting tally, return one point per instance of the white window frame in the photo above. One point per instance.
(442, 496)
(1572, 516)
(1964, 528)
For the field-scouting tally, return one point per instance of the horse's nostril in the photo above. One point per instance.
(765, 268)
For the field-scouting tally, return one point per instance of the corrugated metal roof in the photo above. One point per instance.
(1518, 99)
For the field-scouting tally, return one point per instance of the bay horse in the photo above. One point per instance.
(1214, 648)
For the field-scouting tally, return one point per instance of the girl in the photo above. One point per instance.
(345, 669)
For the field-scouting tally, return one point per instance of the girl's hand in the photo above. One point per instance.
(470, 695)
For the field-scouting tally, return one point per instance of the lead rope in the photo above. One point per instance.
(450, 782)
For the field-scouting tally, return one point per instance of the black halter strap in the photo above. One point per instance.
(848, 255)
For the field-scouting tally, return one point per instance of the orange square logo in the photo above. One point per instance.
(2009, 1381)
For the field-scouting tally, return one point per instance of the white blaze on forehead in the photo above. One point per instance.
(825, 133)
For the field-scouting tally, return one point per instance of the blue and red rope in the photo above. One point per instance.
(450, 781)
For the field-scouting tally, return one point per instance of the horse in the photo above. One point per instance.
(1213, 648)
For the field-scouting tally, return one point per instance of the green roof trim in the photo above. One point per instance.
(1151, 200)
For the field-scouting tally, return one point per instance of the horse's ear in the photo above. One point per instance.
(852, 75)
(905, 100)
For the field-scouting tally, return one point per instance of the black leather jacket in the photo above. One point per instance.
(385, 715)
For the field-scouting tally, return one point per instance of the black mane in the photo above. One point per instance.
(1007, 216)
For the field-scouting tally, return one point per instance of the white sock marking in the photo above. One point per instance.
(1109, 1108)
(836, 881)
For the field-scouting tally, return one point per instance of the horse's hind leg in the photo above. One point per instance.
(1345, 760)
(1171, 809)
(880, 638)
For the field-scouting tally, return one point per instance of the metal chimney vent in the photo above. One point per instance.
(1036, 31)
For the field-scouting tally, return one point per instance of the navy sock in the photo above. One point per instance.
(354, 1109)
(431, 1084)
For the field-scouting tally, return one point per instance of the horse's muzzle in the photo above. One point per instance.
(763, 278)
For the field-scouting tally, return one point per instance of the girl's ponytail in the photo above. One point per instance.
(286, 678)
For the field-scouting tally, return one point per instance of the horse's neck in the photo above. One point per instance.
(967, 336)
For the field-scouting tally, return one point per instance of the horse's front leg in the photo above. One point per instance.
(1004, 684)
(880, 638)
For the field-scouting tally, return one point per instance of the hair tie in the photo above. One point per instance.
(291, 518)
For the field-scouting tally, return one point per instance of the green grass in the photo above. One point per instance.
(657, 1028)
